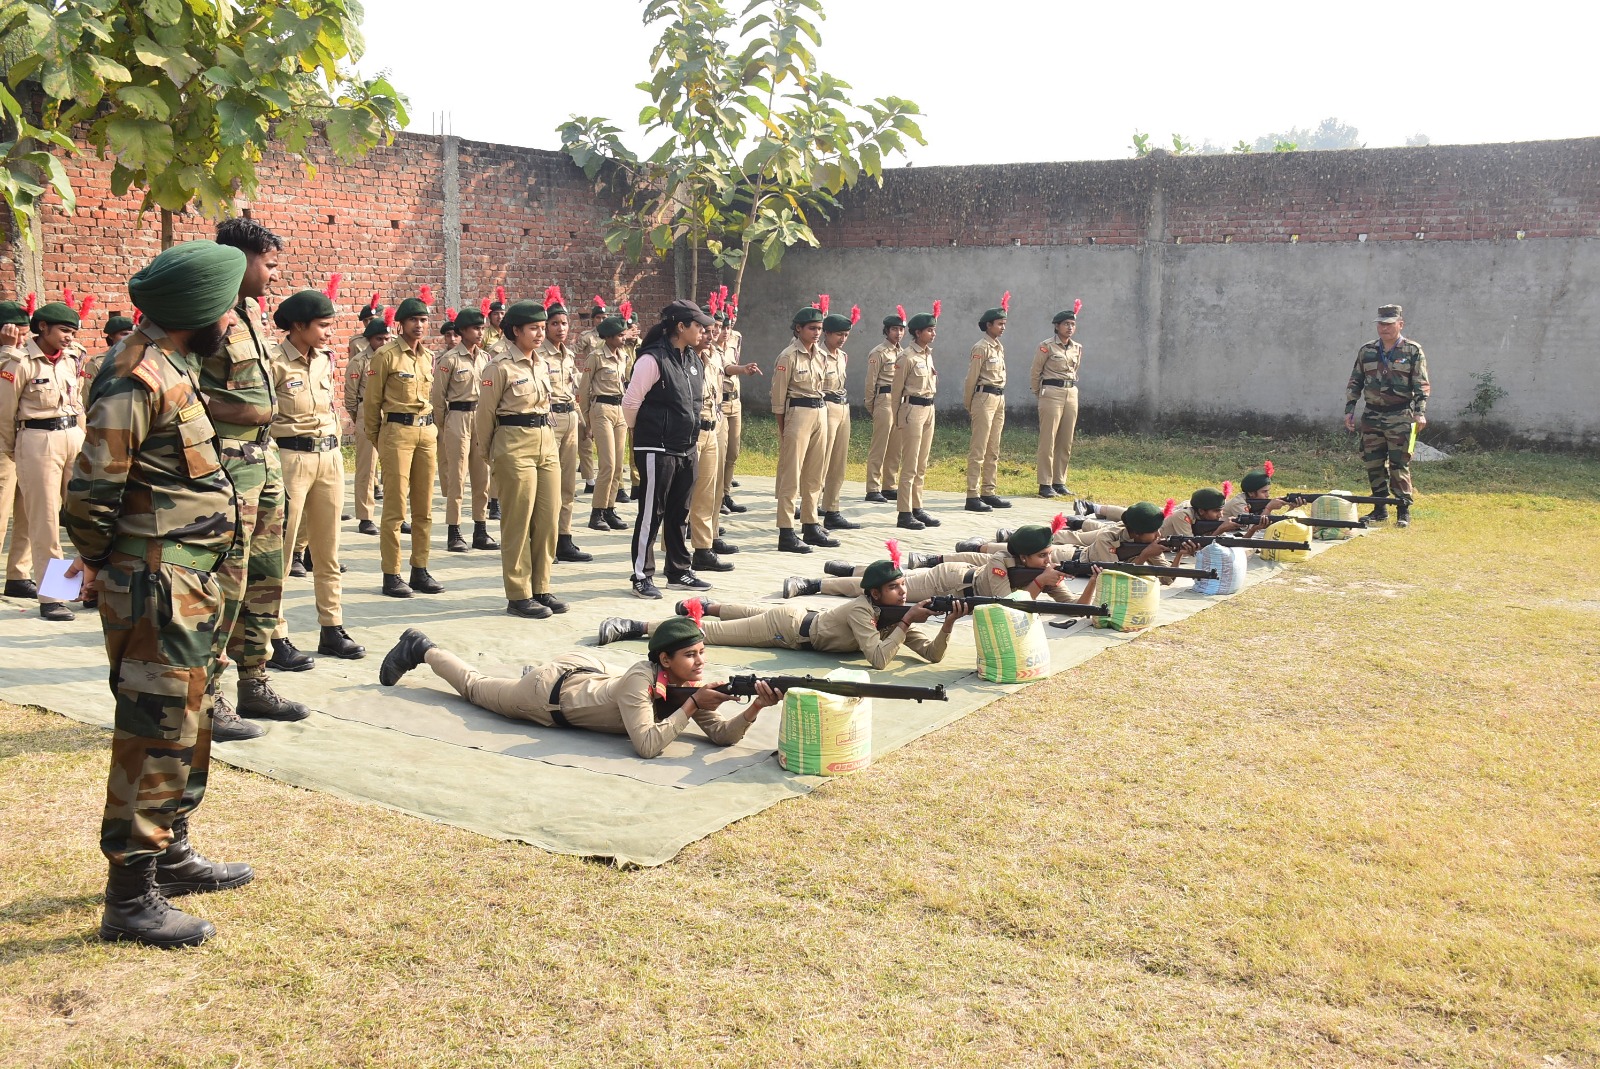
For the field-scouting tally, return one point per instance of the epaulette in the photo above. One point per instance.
(134, 359)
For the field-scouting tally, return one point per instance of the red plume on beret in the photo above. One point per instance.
(722, 294)
(855, 314)
(894, 551)
(374, 304)
(449, 314)
(426, 293)
(822, 303)
(936, 306)
(1005, 302)
(599, 302)
(552, 296)
(388, 316)
(1058, 522)
(137, 315)
(1227, 488)
(31, 305)
(500, 294)
(711, 301)
(734, 302)
(66, 295)
(695, 609)
(1077, 306)
(483, 306)
(88, 303)
(625, 309)
(1266, 466)
(332, 291)
(1171, 504)
(900, 310)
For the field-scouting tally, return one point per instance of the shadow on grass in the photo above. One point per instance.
(74, 738)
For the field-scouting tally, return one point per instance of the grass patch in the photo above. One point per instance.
(1348, 818)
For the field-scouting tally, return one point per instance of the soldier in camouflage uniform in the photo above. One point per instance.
(1391, 374)
(152, 516)
(236, 385)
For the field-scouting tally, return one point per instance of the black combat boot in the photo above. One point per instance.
(551, 602)
(597, 520)
(995, 502)
(395, 587)
(615, 522)
(528, 609)
(297, 566)
(336, 642)
(227, 726)
(137, 912)
(922, 560)
(909, 522)
(568, 552)
(875, 497)
(406, 655)
(1379, 513)
(788, 543)
(840, 568)
(181, 871)
(617, 628)
(731, 505)
(835, 521)
(286, 657)
(423, 583)
(453, 542)
(1402, 516)
(970, 545)
(705, 560)
(1046, 490)
(977, 504)
(494, 508)
(726, 549)
(923, 518)
(405, 526)
(813, 535)
(258, 700)
(798, 586)
(366, 527)
(480, 536)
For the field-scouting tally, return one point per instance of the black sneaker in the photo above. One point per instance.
(687, 581)
(644, 588)
(551, 602)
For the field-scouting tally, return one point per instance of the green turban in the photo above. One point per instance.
(611, 326)
(1028, 539)
(1142, 518)
(990, 316)
(807, 315)
(468, 318)
(56, 312)
(411, 306)
(672, 635)
(1206, 498)
(1255, 482)
(189, 286)
(374, 327)
(522, 312)
(12, 314)
(307, 306)
(921, 321)
(836, 324)
(1064, 317)
(878, 573)
(118, 324)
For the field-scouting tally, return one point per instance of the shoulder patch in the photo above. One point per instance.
(780, 367)
(1000, 573)
(488, 382)
(8, 376)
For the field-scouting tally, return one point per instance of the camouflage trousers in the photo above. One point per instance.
(1386, 447)
(160, 624)
(252, 574)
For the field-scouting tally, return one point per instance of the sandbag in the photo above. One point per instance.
(1229, 562)
(1333, 507)
(1012, 647)
(1287, 529)
(826, 734)
(1133, 601)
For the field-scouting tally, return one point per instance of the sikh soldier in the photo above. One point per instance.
(307, 434)
(236, 385)
(835, 391)
(985, 400)
(561, 369)
(374, 336)
(41, 432)
(1054, 380)
(1391, 374)
(600, 395)
(883, 457)
(457, 379)
(152, 515)
(797, 401)
(704, 504)
(397, 417)
(512, 436)
(19, 559)
(916, 381)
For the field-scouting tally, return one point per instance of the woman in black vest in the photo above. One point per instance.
(662, 407)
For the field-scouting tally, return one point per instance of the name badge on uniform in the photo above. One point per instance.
(294, 384)
(522, 382)
(40, 382)
(404, 375)
(191, 412)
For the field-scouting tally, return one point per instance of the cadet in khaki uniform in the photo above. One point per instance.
(41, 432)
(152, 515)
(848, 629)
(307, 433)
(704, 499)
(732, 426)
(1391, 375)
(1054, 381)
(883, 457)
(457, 378)
(513, 434)
(374, 336)
(118, 326)
(836, 442)
(587, 342)
(397, 417)
(797, 380)
(600, 392)
(916, 381)
(1255, 496)
(19, 559)
(358, 344)
(984, 397)
(578, 690)
(493, 337)
(561, 369)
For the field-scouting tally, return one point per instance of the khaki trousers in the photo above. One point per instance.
(1058, 418)
(983, 458)
(526, 465)
(800, 462)
(313, 494)
(610, 447)
(586, 452)
(44, 466)
(883, 458)
(705, 504)
(838, 454)
(457, 464)
(19, 561)
(916, 442)
(366, 458)
(752, 625)
(410, 460)
(565, 427)
(729, 431)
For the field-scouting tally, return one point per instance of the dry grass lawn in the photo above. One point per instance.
(1350, 818)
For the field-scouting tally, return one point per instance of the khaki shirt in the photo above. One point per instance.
(835, 365)
(304, 385)
(733, 341)
(1241, 503)
(798, 373)
(355, 383)
(1181, 522)
(586, 343)
(729, 385)
(854, 627)
(710, 397)
(457, 377)
(1056, 361)
(561, 368)
(358, 345)
(399, 379)
(603, 371)
(492, 337)
(1106, 545)
(880, 370)
(626, 704)
(987, 368)
(514, 386)
(32, 386)
(914, 374)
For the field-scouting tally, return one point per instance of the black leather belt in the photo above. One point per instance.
(806, 402)
(307, 443)
(708, 424)
(463, 406)
(58, 423)
(805, 628)
(608, 398)
(555, 694)
(726, 397)
(833, 398)
(1058, 382)
(524, 419)
(409, 419)
(561, 408)
(919, 400)
(886, 389)
(998, 391)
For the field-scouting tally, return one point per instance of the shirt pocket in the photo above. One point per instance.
(244, 370)
(199, 447)
(404, 387)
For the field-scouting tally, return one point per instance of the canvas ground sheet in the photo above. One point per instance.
(421, 749)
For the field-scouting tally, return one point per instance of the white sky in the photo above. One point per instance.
(1016, 80)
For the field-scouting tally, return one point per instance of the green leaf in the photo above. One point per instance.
(107, 69)
(148, 103)
(220, 77)
(350, 132)
(163, 12)
(772, 253)
(140, 144)
(56, 175)
(239, 123)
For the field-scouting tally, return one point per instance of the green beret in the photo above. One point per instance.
(556, 309)
(374, 327)
(893, 321)
(411, 306)
(921, 321)
(1028, 539)
(56, 312)
(367, 312)
(497, 306)
(189, 286)
(1142, 518)
(990, 316)
(468, 318)
(611, 326)
(1064, 317)
(836, 324)
(807, 315)
(720, 317)
(1255, 482)
(878, 573)
(307, 306)
(672, 635)
(12, 314)
(522, 312)
(1206, 498)
(118, 324)
(448, 327)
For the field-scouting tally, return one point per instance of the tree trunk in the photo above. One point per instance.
(27, 261)
(166, 230)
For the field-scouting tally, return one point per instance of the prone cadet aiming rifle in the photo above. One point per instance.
(745, 687)
(1248, 519)
(1229, 541)
(1303, 498)
(889, 615)
(1022, 578)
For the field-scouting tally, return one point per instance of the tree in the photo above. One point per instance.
(1418, 140)
(757, 140)
(1329, 134)
(183, 95)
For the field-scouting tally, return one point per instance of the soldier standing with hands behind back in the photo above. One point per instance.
(1391, 374)
(1055, 383)
(985, 401)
